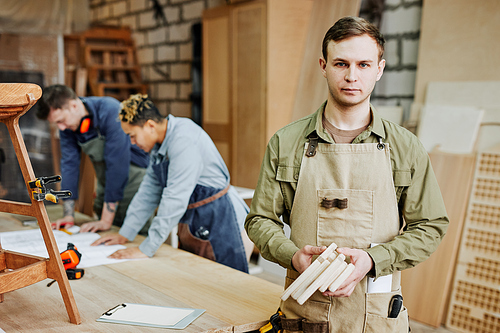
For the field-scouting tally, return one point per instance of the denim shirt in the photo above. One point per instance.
(118, 152)
(192, 160)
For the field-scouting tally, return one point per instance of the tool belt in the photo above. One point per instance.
(303, 325)
(209, 199)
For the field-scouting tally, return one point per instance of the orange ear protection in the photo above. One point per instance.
(85, 124)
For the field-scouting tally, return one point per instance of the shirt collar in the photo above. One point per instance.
(316, 126)
(162, 149)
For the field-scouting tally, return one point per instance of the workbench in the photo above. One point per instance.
(234, 301)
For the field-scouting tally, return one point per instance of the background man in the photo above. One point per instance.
(91, 125)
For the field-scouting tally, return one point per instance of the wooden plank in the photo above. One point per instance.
(426, 287)
(454, 129)
(249, 77)
(286, 41)
(312, 89)
(452, 40)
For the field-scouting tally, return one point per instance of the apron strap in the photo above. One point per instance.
(209, 199)
(313, 144)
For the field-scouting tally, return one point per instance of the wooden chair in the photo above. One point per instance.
(20, 270)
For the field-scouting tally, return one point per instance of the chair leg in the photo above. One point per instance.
(55, 269)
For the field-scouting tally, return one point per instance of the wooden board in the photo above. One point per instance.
(286, 42)
(453, 128)
(427, 286)
(483, 94)
(249, 56)
(449, 44)
(312, 89)
(475, 300)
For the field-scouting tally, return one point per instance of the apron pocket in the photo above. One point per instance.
(339, 224)
(190, 243)
(377, 308)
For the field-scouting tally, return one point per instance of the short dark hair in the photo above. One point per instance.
(138, 109)
(55, 96)
(351, 26)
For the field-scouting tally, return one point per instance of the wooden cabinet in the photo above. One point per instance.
(252, 55)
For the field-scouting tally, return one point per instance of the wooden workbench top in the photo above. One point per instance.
(234, 301)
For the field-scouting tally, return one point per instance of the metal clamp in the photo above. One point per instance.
(41, 193)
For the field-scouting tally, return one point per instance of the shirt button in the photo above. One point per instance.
(296, 176)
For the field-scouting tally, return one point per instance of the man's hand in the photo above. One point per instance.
(111, 239)
(106, 221)
(130, 253)
(67, 219)
(303, 257)
(96, 226)
(363, 263)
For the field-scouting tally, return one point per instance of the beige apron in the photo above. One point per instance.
(361, 173)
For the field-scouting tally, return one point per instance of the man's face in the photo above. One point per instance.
(65, 117)
(352, 69)
(142, 136)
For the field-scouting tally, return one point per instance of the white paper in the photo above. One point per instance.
(150, 314)
(382, 285)
(31, 242)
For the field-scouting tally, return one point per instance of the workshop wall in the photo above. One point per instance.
(400, 24)
(164, 44)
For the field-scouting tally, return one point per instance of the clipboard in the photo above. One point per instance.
(150, 315)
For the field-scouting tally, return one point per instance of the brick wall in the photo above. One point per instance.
(164, 49)
(401, 28)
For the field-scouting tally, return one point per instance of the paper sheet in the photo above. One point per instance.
(382, 285)
(31, 242)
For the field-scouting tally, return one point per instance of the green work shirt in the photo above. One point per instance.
(420, 205)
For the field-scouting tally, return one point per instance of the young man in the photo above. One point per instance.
(91, 125)
(346, 151)
(189, 183)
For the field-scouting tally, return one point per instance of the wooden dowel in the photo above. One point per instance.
(335, 271)
(345, 274)
(310, 279)
(302, 277)
(311, 289)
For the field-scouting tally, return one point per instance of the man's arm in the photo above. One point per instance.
(263, 223)
(116, 150)
(422, 207)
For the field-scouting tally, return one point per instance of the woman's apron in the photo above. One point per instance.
(361, 173)
(94, 149)
(209, 227)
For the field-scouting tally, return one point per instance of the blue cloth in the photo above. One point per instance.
(118, 154)
(192, 160)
